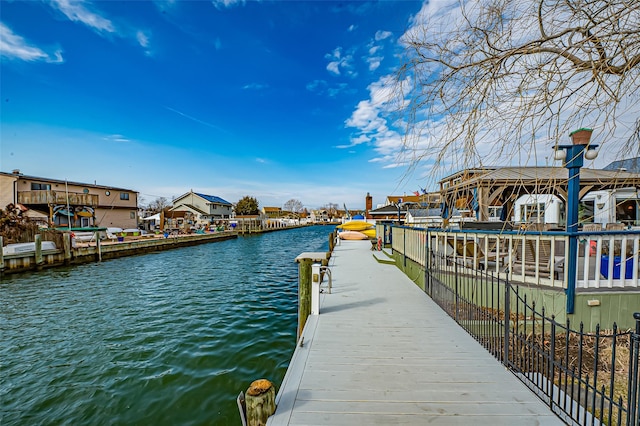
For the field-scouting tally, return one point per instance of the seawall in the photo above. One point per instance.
(92, 252)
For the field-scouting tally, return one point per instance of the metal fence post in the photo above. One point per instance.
(427, 264)
(507, 314)
(634, 392)
(455, 269)
(404, 247)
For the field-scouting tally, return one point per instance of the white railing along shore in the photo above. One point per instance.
(605, 260)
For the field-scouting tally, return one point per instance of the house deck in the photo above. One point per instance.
(382, 352)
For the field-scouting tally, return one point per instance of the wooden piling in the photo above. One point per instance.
(98, 247)
(1, 256)
(305, 260)
(260, 401)
(304, 293)
(66, 241)
(39, 258)
(332, 241)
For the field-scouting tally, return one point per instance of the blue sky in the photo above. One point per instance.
(272, 99)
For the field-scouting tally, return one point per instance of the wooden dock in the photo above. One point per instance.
(382, 352)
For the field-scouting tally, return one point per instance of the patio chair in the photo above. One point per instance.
(615, 227)
(528, 260)
(592, 244)
(474, 253)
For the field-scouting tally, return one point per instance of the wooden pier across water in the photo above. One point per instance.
(382, 352)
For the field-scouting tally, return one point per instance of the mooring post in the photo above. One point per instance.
(1, 256)
(260, 402)
(66, 241)
(332, 240)
(38, 241)
(316, 279)
(305, 260)
(98, 247)
(304, 293)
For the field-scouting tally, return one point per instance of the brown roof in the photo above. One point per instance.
(404, 198)
(551, 176)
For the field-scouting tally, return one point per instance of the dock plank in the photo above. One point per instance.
(382, 352)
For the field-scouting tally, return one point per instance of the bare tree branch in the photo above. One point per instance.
(494, 79)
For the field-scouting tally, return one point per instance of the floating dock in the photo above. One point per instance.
(382, 352)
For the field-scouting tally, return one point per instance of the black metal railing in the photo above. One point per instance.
(585, 378)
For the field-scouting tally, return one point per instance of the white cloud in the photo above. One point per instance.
(316, 86)
(374, 49)
(81, 11)
(351, 28)
(321, 87)
(334, 57)
(255, 86)
(534, 145)
(15, 46)
(225, 4)
(355, 141)
(381, 35)
(116, 138)
(337, 89)
(197, 120)
(374, 62)
(339, 63)
(375, 58)
(143, 39)
(372, 120)
(77, 12)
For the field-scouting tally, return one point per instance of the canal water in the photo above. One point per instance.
(169, 338)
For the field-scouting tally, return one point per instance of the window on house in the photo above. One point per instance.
(627, 212)
(124, 195)
(132, 215)
(495, 212)
(40, 186)
(532, 213)
(586, 211)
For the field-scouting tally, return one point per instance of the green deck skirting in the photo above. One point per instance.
(614, 305)
(383, 259)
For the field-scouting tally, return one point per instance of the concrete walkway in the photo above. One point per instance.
(382, 352)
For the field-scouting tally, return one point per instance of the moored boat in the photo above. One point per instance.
(21, 248)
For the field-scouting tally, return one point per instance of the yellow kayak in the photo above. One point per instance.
(371, 233)
(356, 225)
(352, 235)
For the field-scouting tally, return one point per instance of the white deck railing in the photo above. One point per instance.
(537, 258)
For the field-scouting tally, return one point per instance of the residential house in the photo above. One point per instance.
(205, 209)
(514, 194)
(272, 212)
(631, 165)
(389, 212)
(8, 188)
(62, 203)
(399, 199)
(320, 216)
(424, 217)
